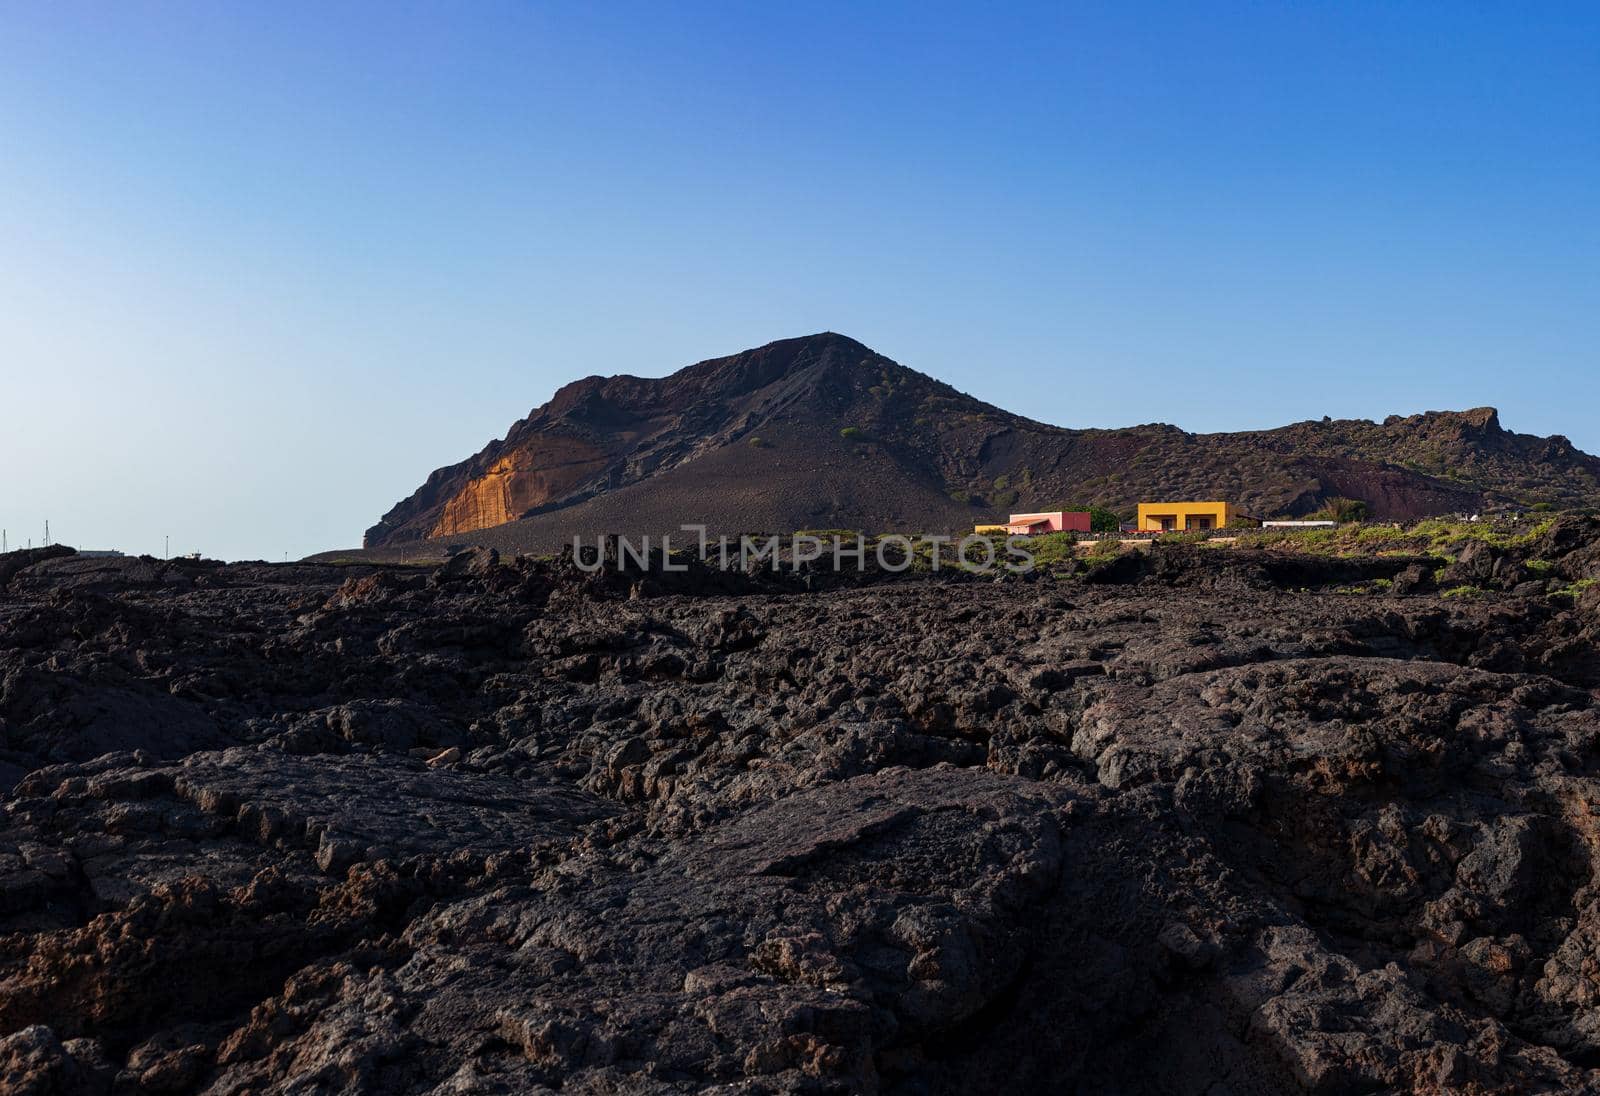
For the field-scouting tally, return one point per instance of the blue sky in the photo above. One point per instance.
(263, 267)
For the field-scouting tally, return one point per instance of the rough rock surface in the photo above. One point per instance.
(1207, 822)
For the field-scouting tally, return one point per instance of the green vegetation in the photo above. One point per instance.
(1462, 592)
(1102, 520)
(1050, 548)
(1103, 550)
(1540, 567)
(1002, 482)
(1342, 509)
(1005, 499)
(756, 442)
(1543, 507)
(853, 433)
(1573, 590)
(1433, 536)
(1445, 536)
(958, 495)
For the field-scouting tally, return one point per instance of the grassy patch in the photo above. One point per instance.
(1433, 536)
(1573, 589)
(1053, 548)
(1445, 536)
(1103, 550)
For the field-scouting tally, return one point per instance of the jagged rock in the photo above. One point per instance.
(1220, 826)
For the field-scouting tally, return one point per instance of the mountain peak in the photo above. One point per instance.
(821, 431)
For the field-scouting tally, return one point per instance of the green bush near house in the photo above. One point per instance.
(1053, 547)
(1102, 520)
(1342, 509)
(1102, 550)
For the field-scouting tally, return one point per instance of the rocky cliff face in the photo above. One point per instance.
(824, 432)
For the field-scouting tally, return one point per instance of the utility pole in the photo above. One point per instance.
(167, 540)
(47, 532)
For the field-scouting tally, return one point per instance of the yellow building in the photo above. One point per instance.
(1171, 517)
(982, 529)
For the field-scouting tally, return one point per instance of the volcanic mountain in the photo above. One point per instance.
(822, 432)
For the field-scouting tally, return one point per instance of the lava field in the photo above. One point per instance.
(1193, 821)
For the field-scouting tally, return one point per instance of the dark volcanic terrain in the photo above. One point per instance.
(823, 433)
(1197, 821)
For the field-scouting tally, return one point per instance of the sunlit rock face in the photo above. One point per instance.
(518, 482)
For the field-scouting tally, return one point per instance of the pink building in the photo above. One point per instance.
(1055, 521)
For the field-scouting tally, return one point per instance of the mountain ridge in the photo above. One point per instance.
(822, 431)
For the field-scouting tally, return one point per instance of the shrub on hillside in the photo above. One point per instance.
(1342, 509)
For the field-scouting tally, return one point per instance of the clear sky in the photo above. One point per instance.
(265, 266)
